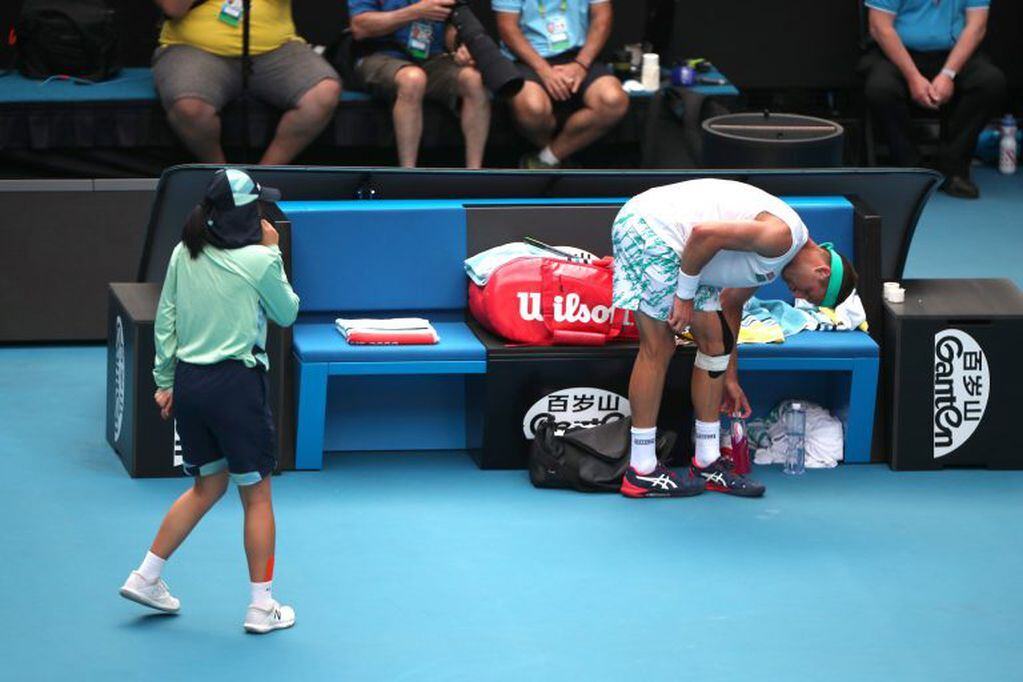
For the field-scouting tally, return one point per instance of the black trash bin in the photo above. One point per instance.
(769, 140)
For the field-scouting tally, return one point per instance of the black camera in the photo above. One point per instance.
(499, 74)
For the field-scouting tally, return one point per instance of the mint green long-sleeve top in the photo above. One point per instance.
(215, 307)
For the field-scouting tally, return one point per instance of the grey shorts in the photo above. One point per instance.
(378, 70)
(279, 78)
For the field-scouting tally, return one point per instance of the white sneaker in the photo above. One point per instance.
(261, 619)
(154, 594)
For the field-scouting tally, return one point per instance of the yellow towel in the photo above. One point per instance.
(751, 331)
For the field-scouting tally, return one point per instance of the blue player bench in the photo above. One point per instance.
(387, 259)
(469, 392)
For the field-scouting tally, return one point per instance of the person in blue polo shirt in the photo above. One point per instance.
(413, 55)
(556, 44)
(927, 53)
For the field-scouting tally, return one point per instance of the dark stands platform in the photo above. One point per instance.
(111, 133)
(119, 129)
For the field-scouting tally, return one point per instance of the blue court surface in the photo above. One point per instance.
(421, 567)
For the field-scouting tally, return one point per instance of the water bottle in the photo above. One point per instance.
(795, 437)
(740, 445)
(1007, 146)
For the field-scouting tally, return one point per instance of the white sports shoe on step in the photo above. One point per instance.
(154, 594)
(261, 619)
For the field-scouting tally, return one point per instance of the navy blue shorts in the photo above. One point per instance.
(224, 420)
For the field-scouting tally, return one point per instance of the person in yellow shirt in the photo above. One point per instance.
(197, 71)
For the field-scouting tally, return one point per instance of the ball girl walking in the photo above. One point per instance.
(224, 280)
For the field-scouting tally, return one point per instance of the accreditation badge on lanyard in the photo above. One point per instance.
(555, 27)
(231, 12)
(419, 38)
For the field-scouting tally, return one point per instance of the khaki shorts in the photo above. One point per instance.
(279, 77)
(378, 70)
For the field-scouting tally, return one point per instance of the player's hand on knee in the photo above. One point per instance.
(734, 401)
(681, 315)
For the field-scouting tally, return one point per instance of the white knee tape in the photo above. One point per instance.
(712, 363)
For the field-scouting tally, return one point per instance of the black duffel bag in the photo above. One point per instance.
(76, 38)
(590, 460)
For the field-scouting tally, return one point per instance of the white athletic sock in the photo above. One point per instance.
(152, 567)
(643, 456)
(261, 595)
(708, 442)
(547, 156)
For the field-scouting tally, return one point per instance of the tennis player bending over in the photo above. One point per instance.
(689, 255)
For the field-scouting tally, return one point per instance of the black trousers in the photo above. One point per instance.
(979, 90)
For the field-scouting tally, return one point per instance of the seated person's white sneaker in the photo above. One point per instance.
(154, 594)
(273, 616)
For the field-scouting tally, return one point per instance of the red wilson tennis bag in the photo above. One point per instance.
(548, 301)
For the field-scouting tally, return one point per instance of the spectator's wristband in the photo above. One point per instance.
(581, 64)
(687, 285)
(949, 72)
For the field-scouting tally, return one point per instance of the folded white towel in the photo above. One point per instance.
(393, 331)
(387, 324)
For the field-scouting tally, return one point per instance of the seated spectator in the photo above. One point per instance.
(197, 72)
(927, 52)
(412, 55)
(556, 44)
